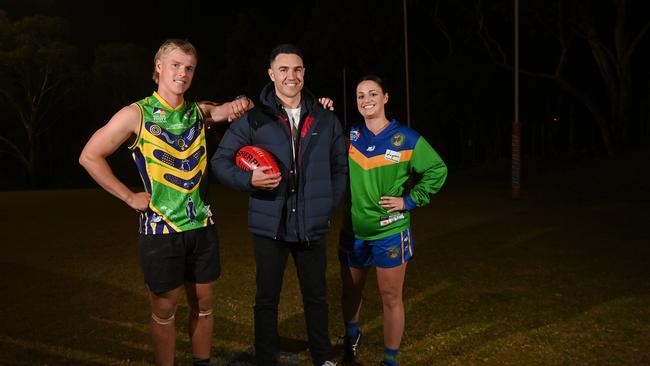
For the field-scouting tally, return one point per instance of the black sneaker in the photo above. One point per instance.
(351, 347)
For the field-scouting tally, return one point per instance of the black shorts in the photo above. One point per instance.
(169, 260)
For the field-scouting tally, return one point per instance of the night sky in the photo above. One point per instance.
(363, 37)
(559, 276)
(461, 97)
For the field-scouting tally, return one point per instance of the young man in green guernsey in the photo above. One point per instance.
(382, 155)
(178, 240)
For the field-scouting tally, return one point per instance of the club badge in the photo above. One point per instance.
(155, 130)
(354, 134)
(393, 253)
(397, 139)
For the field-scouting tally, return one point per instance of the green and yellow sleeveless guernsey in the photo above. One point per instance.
(170, 153)
(380, 166)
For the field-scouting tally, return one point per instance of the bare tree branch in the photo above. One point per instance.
(637, 40)
(15, 151)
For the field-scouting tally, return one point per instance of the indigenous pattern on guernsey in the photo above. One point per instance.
(170, 153)
(380, 166)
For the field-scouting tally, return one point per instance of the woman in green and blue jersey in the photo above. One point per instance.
(383, 154)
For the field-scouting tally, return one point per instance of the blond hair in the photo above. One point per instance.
(170, 45)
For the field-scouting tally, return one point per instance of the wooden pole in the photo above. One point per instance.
(516, 127)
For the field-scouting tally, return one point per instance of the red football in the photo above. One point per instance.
(250, 157)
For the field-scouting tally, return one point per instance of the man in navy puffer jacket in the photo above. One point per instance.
(289, 212)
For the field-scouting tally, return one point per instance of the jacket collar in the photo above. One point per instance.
(272, 103)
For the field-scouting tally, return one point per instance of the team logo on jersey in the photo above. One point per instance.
(393, 156)
(354, 134)
(397, 139)
(159, 115)
(155, 130)
(387, 220)
(393, 253)
(371, 148)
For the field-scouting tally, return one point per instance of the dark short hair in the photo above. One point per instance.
(284, 48)
(376, 79)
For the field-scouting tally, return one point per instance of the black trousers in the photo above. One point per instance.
(270, 261)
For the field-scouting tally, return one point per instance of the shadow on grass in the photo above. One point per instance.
(58, 319)
(558, 277)
(524, 278)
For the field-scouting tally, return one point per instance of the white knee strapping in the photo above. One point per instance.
(205, 313)
(162, 321)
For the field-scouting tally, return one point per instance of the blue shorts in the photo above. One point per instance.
(388, 252)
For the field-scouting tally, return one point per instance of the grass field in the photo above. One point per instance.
(559, 277)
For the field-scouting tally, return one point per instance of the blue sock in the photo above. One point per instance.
(390, 356)
(352, 329)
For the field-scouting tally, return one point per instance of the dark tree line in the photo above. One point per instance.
(584, 85)
(588, 50)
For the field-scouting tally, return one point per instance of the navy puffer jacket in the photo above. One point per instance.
(294, 214)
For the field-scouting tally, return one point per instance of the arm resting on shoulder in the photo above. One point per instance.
(229, 111)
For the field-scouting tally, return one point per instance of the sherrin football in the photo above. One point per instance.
(250, 157)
